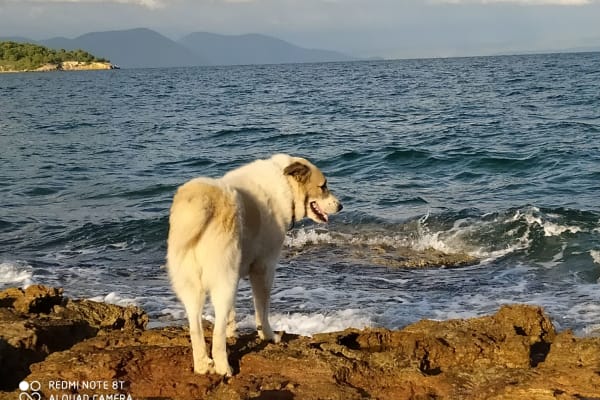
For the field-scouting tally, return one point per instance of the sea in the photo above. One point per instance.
(495, 157)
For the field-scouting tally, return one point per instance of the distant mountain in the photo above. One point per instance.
(143, 47)
(254, 49)
(131, 48)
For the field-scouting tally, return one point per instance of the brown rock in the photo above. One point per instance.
(103, 315)
(513, 354)
(34, 299)
(39, 321)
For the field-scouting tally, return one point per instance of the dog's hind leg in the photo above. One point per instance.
(194, 303)
(223, 299)
(261, 279)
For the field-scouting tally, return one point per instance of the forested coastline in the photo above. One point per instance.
(15, 57)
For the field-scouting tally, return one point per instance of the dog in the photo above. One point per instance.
(222, 230)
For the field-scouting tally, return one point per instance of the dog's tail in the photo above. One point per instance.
(199, 205)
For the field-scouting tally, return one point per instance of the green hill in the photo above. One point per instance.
(29, 57)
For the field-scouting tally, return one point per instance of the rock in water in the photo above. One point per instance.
(513, 354)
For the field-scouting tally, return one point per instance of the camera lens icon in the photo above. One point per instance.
(34, 386)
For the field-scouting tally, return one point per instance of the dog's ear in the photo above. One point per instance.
(300, 172)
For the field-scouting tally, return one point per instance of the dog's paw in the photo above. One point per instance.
(223, 369)
(276, 338)
(264, 335)
(204, 366)
(269, 336)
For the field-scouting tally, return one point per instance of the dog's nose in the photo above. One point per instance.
(340, 206)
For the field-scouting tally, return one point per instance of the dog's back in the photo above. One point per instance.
(204, 227)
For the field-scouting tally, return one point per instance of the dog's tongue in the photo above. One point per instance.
(322, 213)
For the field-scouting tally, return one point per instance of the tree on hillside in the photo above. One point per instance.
(27, 56)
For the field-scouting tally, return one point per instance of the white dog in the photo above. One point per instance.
(224, 229)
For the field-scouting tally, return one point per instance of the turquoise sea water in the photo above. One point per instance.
(498, 157)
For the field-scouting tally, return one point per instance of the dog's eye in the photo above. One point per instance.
(323, 187)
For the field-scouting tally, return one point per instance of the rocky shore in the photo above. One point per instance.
(69, 349)
(67, 66)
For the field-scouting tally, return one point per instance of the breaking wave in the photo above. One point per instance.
(526, 230)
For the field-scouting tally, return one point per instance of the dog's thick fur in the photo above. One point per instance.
(224, 229)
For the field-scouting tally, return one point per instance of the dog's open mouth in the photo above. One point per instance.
(318, 212)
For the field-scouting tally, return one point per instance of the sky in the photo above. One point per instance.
(363, 28)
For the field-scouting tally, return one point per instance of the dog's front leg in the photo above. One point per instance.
(231, 325)
(261, 280)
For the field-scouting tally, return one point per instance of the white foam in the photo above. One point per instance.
(433, 241)
(595, 256)
(587, 312)
(312, 323)
(551, 228)
(303, 236)
(533, 216)
(397, 281)
(305, 324)
(592, 330)
(115, 298)
(458, 239)
(427, 239)
(118, 246)
(16, 273)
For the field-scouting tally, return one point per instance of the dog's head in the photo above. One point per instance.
(312, 197)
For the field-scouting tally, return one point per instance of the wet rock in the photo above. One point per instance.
(384, 255)
(39, 321)
(407, 257)
(513, 354)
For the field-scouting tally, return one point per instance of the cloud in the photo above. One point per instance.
(522, 2)
(151, 4)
